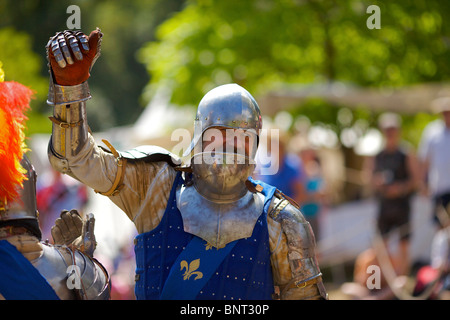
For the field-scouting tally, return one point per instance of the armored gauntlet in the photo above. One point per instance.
(71, 55)
(71, 230)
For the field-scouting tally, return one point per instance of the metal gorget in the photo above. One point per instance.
(218, 223)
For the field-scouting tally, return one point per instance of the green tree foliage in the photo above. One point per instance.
(23, 65)
(117, 78)
(265, 44)
(20, 63)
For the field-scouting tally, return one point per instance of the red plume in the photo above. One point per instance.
(14, 101)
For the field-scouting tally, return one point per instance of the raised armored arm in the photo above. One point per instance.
(71, 56)
(69, 128)
(72, 150)
(125, 177)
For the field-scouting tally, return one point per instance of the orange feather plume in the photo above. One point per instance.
(14, 101)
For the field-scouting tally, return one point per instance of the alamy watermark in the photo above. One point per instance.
(73, 277)
(231, 146)
(74, 20)
(374, 21)
(374, 280)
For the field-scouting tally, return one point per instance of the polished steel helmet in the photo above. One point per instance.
(219, 175)
(226, 106)
(24, 207)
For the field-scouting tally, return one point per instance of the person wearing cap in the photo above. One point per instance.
(394, 179)
(206, 230)
(434, 154)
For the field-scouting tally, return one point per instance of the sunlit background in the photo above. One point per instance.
(319, 74)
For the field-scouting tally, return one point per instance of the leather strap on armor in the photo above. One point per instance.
(295, 283)
(302, 283)
(281, 195)
(118, 181)
(66, 125)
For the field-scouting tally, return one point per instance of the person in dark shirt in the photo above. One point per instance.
(394, 179)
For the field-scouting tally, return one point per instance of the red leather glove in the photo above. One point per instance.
(72, 54)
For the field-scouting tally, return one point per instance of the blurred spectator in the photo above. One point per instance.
(54, 194)
(358, 289)
(434, 154)
(433, 281)
(122, 274)
(393, 177)
(288, 177)
(313, 195)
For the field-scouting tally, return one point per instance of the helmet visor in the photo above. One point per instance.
(220, 140)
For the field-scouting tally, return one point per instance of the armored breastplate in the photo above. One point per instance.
(244, 274)
(218, 223)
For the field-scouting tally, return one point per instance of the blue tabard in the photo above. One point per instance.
(245, 273)
(19, 279)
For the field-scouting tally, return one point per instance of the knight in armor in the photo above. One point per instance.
(207, 230)
(32, 269)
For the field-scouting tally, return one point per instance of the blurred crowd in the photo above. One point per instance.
(393, 176)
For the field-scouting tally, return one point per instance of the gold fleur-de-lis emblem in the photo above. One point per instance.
(208, 246)
(191, 269)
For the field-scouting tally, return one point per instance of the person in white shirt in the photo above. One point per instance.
(434, 153)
